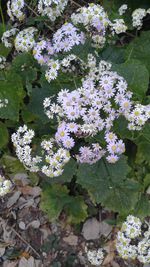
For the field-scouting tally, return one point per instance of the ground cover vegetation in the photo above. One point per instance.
(75, 111)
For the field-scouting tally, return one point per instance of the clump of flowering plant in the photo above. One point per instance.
(80, 88)
(133, 240)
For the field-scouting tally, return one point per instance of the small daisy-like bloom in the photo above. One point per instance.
(7, 37)
(5, 186)
(112, 158)
(137, 17)
(52, 8)
(133, 242)
(95, 257)
(2, 62)
(122, 9)
(118, 26)
(90, 154)
(95, 17)
(68, 142)
(66, 37)
(72, 127)
(24, 40)
(15, 9)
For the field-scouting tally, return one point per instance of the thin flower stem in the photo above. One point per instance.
(35, 13)
(2, 17)
(73, 2)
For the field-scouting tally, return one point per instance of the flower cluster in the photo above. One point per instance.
(90, 154)
(63, 41)
(55, 160)
(42, 52)
(95, 20)
(52, 72)
(24, 40)
(72, 63)
(3, 103)
(118, 26)
(51, 8)
(138, 116)
(85, 112)
(137, 17)
(90, 109)
(95, 257)
(22, 140)
(132, 241)
(51, 161)
(122, 9)
(7, 37)
(14, 9)
(91, 16)
(66, 37)
(2, 62)
(5, 186)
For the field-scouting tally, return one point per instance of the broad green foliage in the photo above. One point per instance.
(55, 199)
(4, 51)
(11, 165)
(25, 66)
(143, 143)
(142, 209)
(113, 54)
(108, 184)
(136, 75)
(139, 49)
(11, 88)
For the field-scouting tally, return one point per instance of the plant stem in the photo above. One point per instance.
(35, 13)
(73, 2)
(2, 17)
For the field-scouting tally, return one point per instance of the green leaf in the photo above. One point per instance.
(53, 200)
(132, 4)
(142, 208)
(11, 89)
(113, 54)
(4, 51)
(143, 144)
(76, 210)
(143, 151)
(139, 49)
(36, 103)
(4, 136)
(11, 164)
(24, 65)
(107, 184)
(147, 181)
(136, 75)
(120, 127)
(56, 198)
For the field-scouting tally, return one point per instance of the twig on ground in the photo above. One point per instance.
(23, 240)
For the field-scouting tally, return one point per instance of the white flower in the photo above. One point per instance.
(24, 40)
(14, 9)
(137, 17)
(51, 8)
(6, 37)
(95, 257)
(122, 9)
(5, 186)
